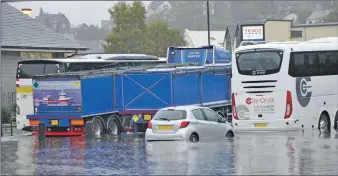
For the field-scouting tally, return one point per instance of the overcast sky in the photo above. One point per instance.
(89, 12)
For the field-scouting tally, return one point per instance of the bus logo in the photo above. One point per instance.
(248, 101)
(302, 90)
(254, 72)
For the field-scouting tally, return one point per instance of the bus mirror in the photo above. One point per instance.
(228, 71)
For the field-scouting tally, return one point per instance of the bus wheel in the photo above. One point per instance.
(97, 128)
(113, 126)
(324, 124)
(335, 126)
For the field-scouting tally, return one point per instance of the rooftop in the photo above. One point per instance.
(22, 31)
(200, 38)
(319, 14)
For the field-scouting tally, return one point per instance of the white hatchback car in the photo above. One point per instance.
(191, 123)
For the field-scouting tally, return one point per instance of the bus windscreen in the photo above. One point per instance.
(259, 62)
(28, 70)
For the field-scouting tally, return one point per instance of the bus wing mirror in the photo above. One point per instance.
(228, 71)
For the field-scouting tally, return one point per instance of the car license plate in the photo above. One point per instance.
(165, 127)
(261, 125)
(55, 122)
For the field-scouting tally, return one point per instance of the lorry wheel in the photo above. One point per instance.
(336, 122)
(97, 128)
(113, 126)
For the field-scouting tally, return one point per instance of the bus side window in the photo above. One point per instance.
(334, 62)
(324, 63)
(312, 64)
(122, 64)
(297, 65)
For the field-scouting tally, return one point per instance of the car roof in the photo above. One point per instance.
(186, 108)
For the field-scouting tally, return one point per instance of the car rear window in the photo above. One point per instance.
(170, 115)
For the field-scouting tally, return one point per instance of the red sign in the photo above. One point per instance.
(253, 31)
(262, 100)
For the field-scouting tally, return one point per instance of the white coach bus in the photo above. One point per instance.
(285, 86)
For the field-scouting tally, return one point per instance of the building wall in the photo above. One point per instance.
(277, 30)
(314, 32)
(9, 65)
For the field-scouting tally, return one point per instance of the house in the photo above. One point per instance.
(305, 32)
(83, 26)
(291, 16)
(107, 25)
(58, 22)
(26, 38)
(283, 30)
(200, 38)
(317, 16)
(230, 32)
(157, 7)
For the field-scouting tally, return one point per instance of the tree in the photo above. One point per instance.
(161, 37)
(127, 36)
(132, 35)
(90, 33)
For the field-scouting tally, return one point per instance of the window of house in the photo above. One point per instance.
(295, 34)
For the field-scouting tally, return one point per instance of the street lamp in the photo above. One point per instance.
(208, 21)
(26, 11)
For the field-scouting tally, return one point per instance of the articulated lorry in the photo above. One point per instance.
(114, 101)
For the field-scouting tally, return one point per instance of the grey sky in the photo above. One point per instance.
(90, 12)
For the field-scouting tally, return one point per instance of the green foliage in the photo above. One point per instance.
(161, 37)
(6, 115)
(133, 35)
(89, 34)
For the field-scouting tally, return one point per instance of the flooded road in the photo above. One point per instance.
(306, 153)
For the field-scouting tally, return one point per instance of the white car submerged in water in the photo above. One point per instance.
(191, 123)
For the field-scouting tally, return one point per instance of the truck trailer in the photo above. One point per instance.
(114, 101)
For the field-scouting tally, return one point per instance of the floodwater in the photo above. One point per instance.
(277, 153)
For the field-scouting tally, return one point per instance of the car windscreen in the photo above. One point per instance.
(28, 70)
(259, 62)
(170, 115)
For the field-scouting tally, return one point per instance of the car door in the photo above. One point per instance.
(216, 127)
(202, 125)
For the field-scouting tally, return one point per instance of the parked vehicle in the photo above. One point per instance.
(191, 123)
(285, 86)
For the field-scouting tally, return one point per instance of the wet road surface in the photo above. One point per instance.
(297, 152)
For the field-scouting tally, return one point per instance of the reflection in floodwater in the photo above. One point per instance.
(288, 153)
(185, 158)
